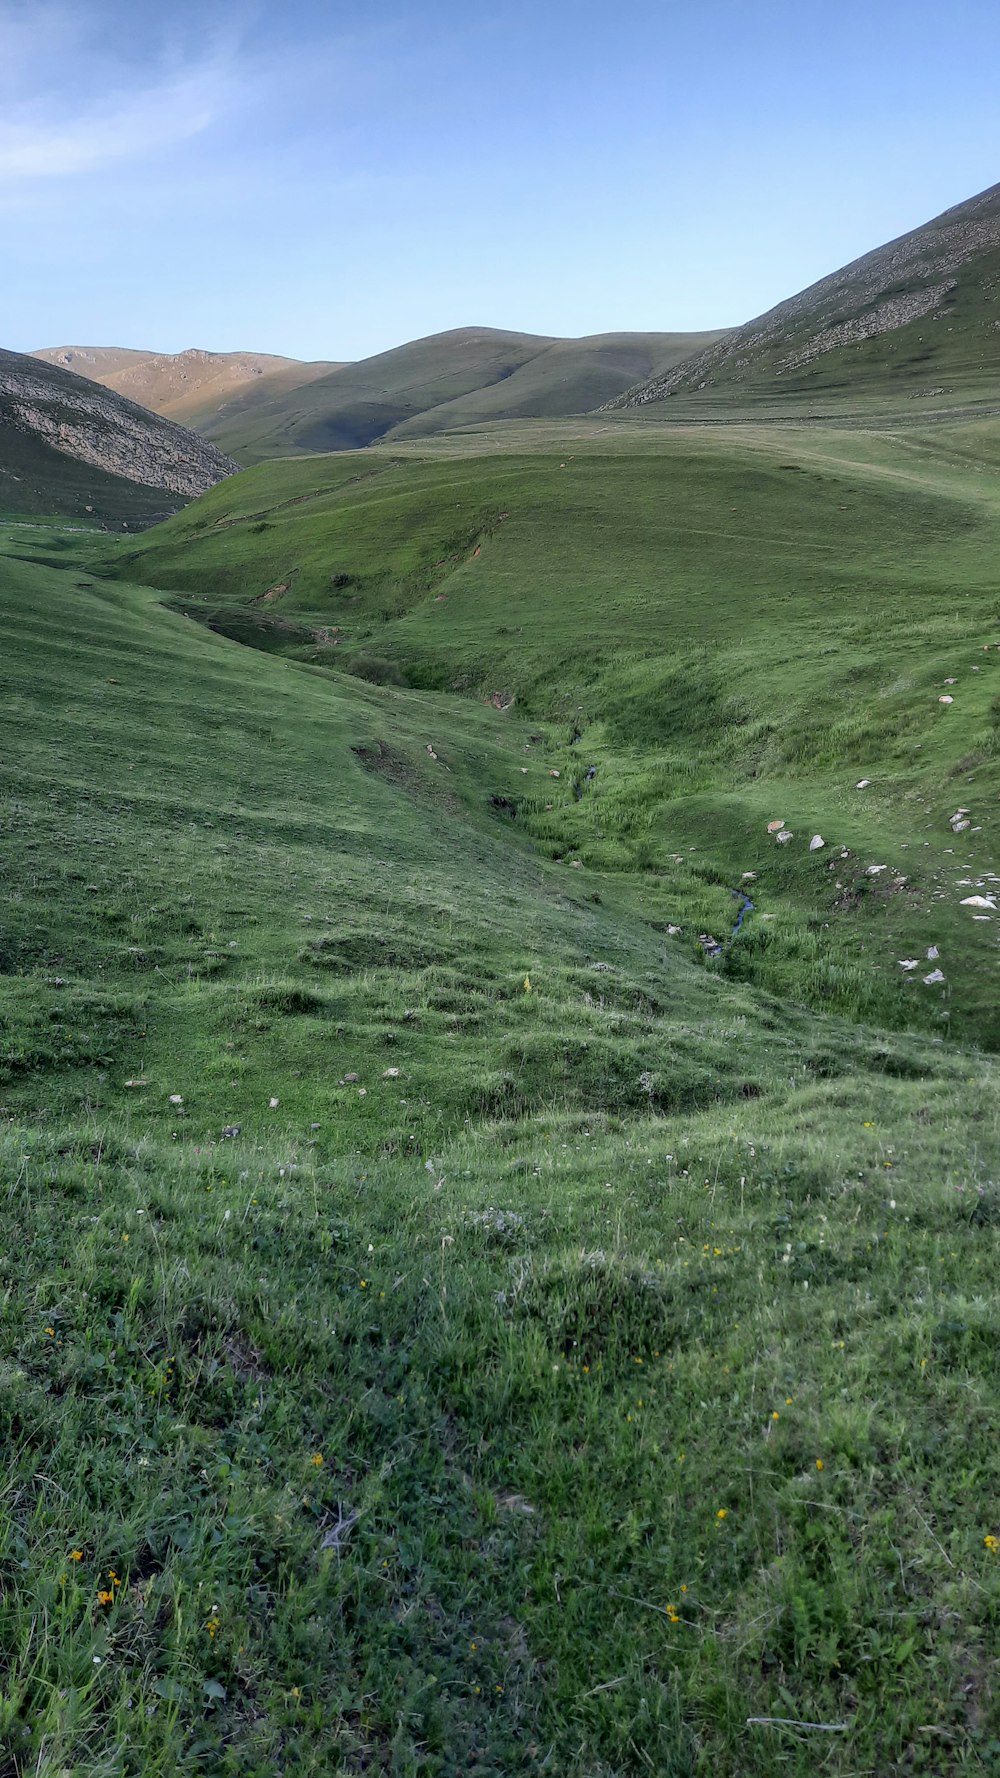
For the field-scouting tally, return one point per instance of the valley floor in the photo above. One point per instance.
(450, 1323)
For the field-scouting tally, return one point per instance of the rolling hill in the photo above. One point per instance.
(68, 446)
(448, 380)
(192, 387)
(918, 318)
(699, 608)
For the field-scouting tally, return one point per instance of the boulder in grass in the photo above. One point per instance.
(817, 843)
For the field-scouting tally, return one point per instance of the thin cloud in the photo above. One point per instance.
(52, 134)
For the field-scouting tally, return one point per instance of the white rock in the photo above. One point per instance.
(909, 962)
(946, 700)
(175, 1099)
(817, 842)
(936, 975)
(862, 784)
(784, 837)
(951, 682)
(978, 901)
(932, 953)
(673, 931)
(875, 870)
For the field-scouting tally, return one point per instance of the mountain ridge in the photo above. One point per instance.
(189, 386)
(857, 323)
(462, 376)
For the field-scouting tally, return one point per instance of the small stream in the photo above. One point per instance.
(746, 907)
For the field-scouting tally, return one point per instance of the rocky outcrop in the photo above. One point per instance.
(92, 425)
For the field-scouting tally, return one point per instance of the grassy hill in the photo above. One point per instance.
(448, 380)
(192, 387)
(915, 320)
(68, 447)
(455, 1323)
(740, 628)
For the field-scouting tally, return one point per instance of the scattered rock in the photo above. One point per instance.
(817, 843)
(273, 1104)
(784, 836)
(231, 1132)
(951, 682)
(946, 700)
(674, 930)
(909, 963)
(775, 826)
(175, 1099)
(875, 870)
(935, 976)
(932, 953)
(978, 901)
(862, 784)
(349, 1079)
(749, 876)
(390, 1074)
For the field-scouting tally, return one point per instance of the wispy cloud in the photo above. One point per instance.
(68, 106)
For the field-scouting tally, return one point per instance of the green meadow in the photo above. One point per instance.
(465, 1309)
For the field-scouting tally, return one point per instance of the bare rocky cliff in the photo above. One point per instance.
(92, 425)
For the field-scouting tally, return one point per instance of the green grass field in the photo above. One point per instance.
(450, 1324)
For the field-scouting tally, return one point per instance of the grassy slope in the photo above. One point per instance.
(367, 399)
(568, 377)
(742, 627)
(645, 1319)
(448, 380)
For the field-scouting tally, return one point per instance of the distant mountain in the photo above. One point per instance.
(191, 387)
(70, 446)
(567, 377)
(919, 316)
(464, 377)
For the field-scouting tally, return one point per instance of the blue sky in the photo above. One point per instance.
(330, 180)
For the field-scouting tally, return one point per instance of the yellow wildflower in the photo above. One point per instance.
(992, 1544)
(317, 1461)
(76, 1555)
